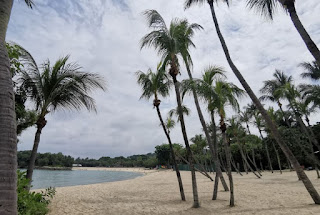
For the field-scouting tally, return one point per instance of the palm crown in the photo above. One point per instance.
(169, 43)
(61, 86)
(153, 84)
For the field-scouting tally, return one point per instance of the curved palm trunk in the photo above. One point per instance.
(41, 123)
(196, 203)
(274, 130)
(209, 140)
(312, 47)
(215, 151)
(8, 134)
(183, 198)
(228, 159)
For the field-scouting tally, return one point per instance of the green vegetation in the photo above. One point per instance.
(45, 159)
(32, 203)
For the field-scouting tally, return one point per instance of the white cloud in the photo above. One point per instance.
(103, 36)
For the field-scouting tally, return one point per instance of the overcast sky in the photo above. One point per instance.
(103, 37)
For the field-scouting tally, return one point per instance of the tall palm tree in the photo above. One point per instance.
(8, 135)
(268, 8)
(271, 125)
(192, 86)
(218, 95)
(61, 86)
(188, 32)
(226, 94)
(170, 44)
(153, 85)
(312, 70)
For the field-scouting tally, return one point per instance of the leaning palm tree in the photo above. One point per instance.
(8, 135)
(153, 85)
(271, 125)
(170, 44)
(268, 8)
(312, 70)
(61, 86)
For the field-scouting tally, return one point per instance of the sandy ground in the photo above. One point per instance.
(157, 193)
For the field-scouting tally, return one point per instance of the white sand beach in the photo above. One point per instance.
(157, 193)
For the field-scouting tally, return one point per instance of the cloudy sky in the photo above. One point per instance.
(103, 37)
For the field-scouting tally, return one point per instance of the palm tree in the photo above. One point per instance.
(268, 7)
(271, 125)
(245, 117)
(8, 135)
(170, 124)
(311, 94)
(170, 44)
(154, 84)
(175, 112)
(236, 130)
(312, 70)
(61, 86)
(192, 86)
(219, 94)
(226, 94)
(188, 32)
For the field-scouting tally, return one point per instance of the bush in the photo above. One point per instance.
(32, 203)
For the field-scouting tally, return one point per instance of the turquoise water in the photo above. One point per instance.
(57, 178)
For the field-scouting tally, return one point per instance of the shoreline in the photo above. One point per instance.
(158, 193)
(116, 169)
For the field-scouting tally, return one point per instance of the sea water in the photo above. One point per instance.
(62, 178)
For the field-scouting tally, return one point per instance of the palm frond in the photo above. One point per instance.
(264, 7)
(30, 3)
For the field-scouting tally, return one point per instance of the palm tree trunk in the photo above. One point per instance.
(312, 47)
(273, 128)
(205, 129)
(234, 166)
(196, 203)
(278, 157)
(267, 151)
(246, 161)
(253, 163)
(8, 134)
(41, 123)
(183, 198)
(228, 160)
(254, 160)
(215, 151)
